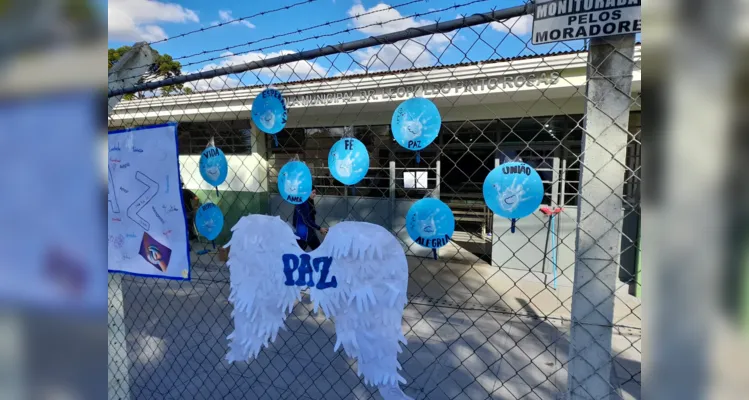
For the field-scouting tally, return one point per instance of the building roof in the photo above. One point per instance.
(415, 69)
(337, 91)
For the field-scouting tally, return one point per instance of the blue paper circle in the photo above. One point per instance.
(213, 167)
(430, 223)
(269, 111)
(416, 123)
(348, 161)
(513, 190)
(295, 182)
(209, 220)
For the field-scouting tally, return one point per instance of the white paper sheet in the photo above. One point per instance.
(147, 232)
(415, 179)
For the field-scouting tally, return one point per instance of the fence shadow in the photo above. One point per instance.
(177, 340)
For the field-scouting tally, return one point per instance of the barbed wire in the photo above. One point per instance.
(475, 330)
(298, 31)
(347, 30)
(259, 14)
(294, 32)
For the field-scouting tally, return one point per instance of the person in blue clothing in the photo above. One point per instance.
(305, 225)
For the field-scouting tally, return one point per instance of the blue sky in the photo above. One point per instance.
(150, 20)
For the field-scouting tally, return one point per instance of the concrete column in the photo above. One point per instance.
(128, 70)
(600, 216)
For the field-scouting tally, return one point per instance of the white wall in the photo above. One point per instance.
(247, 173)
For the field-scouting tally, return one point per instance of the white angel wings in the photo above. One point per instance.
(358, 275)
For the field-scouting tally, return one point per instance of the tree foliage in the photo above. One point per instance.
(116, 54)
(163, 67)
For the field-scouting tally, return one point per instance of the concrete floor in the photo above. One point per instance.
(474, 332)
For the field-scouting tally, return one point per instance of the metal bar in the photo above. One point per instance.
(391, 208)
(563, 181)
(555, 179)
(546, 248)
(389, 38)
(599, 217)
(554, 251)
(438, 170)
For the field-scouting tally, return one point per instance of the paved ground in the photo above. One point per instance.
(473, 333)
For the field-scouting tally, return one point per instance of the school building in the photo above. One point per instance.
(530, 107)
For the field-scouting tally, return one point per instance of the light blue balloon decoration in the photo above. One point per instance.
(295, 182)
(430, 223)
(513, 190)
(416, 123)
(269, 112)
(348, 161)
(213, 166)
(209, 220)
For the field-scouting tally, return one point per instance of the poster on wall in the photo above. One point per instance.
(415, 179)
(146, 219)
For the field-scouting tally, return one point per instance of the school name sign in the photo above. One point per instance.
(560, 20)
(447, 88)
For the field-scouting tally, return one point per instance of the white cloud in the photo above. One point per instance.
(216, 83)
(299, 70)
(135, 20)
(401, 55)
(349, 71)
(225, 16)
(387, 20)
(517, 25)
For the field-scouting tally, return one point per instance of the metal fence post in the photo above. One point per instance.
(598, 235)
(391, 175)
(127, 72)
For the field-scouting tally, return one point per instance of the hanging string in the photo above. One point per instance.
(217, 194)
(275, 140)
(418, 157)
(213, 242)
(512, 225)
(434, 253)
(348, 132)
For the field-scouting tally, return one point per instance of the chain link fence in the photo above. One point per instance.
(503, 315)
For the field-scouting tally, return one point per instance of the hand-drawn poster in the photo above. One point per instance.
(147, 224)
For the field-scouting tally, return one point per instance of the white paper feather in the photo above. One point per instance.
(371, 273)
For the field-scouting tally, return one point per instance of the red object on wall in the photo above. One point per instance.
(549, 211)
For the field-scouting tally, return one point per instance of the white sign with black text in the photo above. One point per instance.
(415, 179)
(560, 20)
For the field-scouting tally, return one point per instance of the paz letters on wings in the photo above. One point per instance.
(358, 275)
